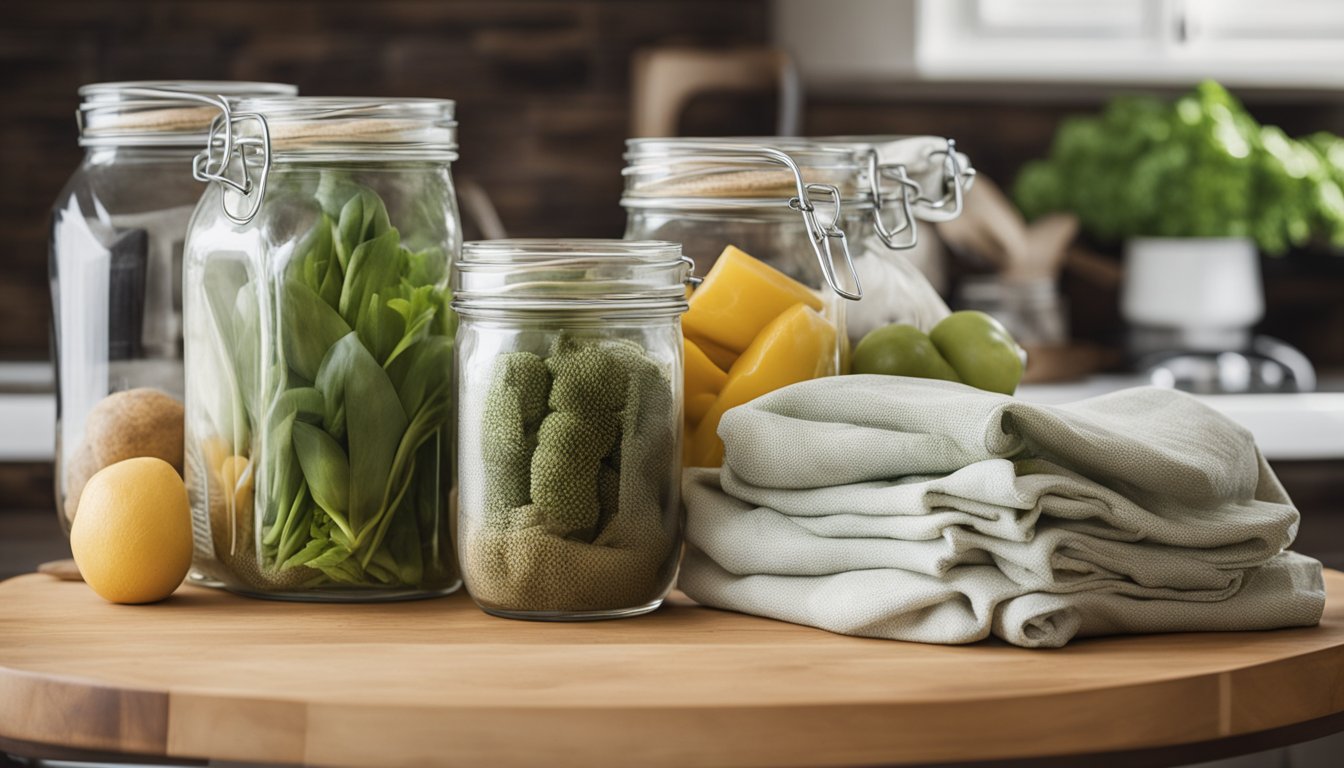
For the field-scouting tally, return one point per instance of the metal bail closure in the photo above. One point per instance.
(691, 278)
(956, 181)
(908, 188)
(821, 234)
(224, 146)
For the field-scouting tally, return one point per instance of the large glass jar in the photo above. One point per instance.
(798, 242)
(116, 274)
(569, 366)
(319, 341)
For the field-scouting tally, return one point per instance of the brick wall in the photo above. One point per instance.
(541, 87)
(542, 91)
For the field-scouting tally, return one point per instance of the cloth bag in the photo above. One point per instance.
(926, 510)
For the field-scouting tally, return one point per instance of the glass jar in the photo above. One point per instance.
(319, 343)
(788, 205)
(826, 215)
(569, 365)
(116, 275)
(828, 212)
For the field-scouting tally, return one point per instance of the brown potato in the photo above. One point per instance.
(124, 425)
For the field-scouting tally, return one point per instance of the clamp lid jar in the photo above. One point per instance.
(798, 240)
(319, 425)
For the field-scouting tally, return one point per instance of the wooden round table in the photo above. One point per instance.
(207, 675)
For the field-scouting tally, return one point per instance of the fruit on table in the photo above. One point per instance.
(969, 347)
(796, 346)
(124, 425)
(132, 535)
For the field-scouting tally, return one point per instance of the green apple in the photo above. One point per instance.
(900, 350)
(969, 347)
(980, 350)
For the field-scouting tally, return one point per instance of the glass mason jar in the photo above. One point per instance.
(319, 341)
(569, 366)
(116, 275)
(789, 205)
(828, 214)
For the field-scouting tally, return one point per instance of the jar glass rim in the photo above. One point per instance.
(804, 151)
(119, 113)
(490, 253)
(338, 127)
(735, 172)
(645, 276)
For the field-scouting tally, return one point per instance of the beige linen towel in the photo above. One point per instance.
(927, 510)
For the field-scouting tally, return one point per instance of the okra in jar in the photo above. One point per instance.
(569, 365)
(319, 346)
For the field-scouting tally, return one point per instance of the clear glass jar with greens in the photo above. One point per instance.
(569, 381)
(319, 340)
(117, 230)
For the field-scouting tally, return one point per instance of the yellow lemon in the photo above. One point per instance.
(131, 537)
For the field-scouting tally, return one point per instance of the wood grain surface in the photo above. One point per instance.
(210, 675)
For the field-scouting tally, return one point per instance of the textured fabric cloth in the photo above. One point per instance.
(927, 510)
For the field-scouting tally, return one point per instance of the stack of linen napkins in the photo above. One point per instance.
(911, 509)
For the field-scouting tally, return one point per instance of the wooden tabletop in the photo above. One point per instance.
(210, 675)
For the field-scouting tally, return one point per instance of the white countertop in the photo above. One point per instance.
(27, 412)
(1289, 427)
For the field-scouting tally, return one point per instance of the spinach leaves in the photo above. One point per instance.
(350, 421)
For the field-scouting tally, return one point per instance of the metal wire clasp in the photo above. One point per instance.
(820, 233)
(955, 181)
(909, 189)
(691, 278)
(225, 149)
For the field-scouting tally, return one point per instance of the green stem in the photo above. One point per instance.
(385, 522)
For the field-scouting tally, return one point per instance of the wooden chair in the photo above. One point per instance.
(665, 80)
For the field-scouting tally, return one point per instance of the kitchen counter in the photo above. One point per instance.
(212, 676)
(1287, 427)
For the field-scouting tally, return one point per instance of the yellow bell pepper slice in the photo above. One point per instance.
(722, 357)
(704, 381)
(797, 346)
(738, 298)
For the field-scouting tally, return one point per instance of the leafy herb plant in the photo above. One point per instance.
(1198, 167)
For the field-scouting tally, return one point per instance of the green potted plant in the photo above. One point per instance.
(1193, 189)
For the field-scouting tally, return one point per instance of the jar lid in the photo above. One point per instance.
(249, 135)
(143, 113)
(647, 276)
(757, 175)
(734, 171)
(356, 128)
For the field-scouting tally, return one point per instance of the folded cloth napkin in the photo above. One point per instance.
(927, 510)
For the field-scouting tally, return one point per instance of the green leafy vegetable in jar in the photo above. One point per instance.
(339, 363)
